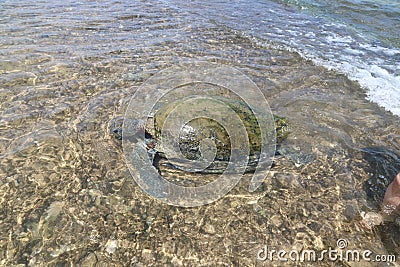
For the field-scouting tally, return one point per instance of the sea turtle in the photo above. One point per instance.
(192, 134)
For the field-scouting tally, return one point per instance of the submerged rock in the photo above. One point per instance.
(384, 164)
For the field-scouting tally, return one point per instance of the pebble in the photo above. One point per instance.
(287, 180)
(209, 229)
(350, 212)
(371, 219)
(111, 246)
(276, 220)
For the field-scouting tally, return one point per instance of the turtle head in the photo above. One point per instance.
(115, 127)
(130, 128)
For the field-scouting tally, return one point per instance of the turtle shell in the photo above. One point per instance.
(201, 134)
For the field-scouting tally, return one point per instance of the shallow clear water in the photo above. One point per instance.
(66, 196)
(336, 41)
(377, 21)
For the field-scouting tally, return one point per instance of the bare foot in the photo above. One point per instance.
(391, 201)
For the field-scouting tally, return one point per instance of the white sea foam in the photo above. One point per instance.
(382, 85)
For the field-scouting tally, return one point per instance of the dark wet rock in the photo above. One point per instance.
(350, 212)
(384, 164)
(390, 235)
